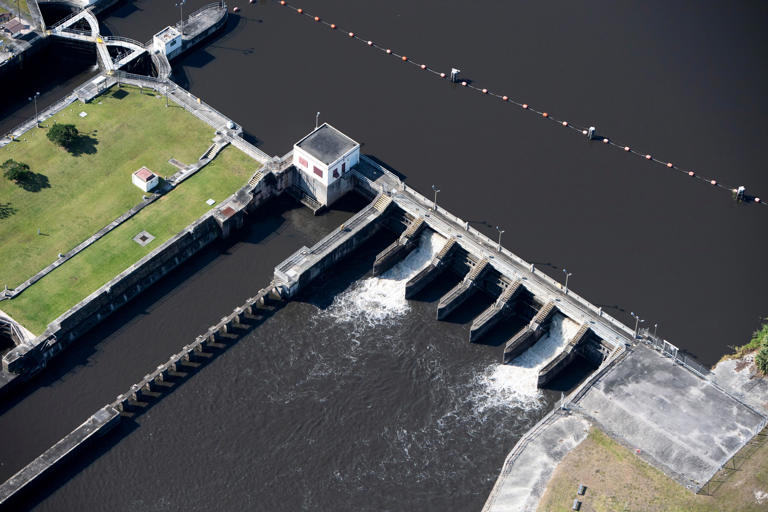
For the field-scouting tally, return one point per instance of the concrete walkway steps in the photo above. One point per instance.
(462, 291)
(400, 248)
(564, 357)
(496, 312)
(529, 334)
(437, 266)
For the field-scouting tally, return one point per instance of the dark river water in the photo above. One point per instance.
(316, 410)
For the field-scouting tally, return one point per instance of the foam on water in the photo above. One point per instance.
(378, 300)
(516, 384)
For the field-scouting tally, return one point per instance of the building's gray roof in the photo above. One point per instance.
(327, 144)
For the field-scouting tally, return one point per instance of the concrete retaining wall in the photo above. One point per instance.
(30, 357)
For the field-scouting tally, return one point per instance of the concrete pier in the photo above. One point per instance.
(102, 421)
(565, 356)
(496, 312)
(529, 334)
(437, 266)
(400, 248)
(462, 291)
(306, 264)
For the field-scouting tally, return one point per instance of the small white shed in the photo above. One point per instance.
(145, 179)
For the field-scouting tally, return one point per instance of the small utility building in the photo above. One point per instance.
(167, 41)
(323, 160)
(145, 179)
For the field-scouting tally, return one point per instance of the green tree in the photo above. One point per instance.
(62, 134)
(15, 171)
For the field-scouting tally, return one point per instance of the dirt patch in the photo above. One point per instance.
(618, 480)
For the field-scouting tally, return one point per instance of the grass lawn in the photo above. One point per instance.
(75, 195)
(618, 480)
(53, 295)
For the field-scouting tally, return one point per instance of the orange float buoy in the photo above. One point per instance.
(299, 10)
(404, 58)
(317, 18)
(504, 98)
(626, 148)
(351, 34)
(485, 91)
(544, 114)
(236, 9)
(525, 105)
(713, 182)
(423, 66)
(333, 26)
(464, 84)
(389, 51)
(691, 174)
(669, 164)
(647, 157)
(605, 141)
(565, 123)
(282, 2)
(370, 43)
(442, 75)
(757, 199)
(584, 132)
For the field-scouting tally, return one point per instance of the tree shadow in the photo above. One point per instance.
(33, 182)
(6, 210)
(83, 144)
(120, 94)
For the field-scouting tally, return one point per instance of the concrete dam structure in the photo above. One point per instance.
(516, 289)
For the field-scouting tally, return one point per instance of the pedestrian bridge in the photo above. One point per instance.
(83, 26)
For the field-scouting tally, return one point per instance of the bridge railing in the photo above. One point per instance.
(128, 40)
(64, 19)
(34, 10)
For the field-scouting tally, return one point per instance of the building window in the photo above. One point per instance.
(303, 162)
(343, 167)
(336, 173)
(318, 171)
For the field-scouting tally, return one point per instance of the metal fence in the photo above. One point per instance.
(668, 349)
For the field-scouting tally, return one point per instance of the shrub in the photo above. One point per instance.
(15, 171)
(62, 134)
(761, 359)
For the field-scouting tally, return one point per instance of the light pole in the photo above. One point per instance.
(435, 200)
(317, 120)
(655, 327)
(638, 321)
(501, 231)
(34, 99)
(567, 275)
(180, 5)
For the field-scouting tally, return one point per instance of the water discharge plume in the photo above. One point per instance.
(377, 300)
(516, 383)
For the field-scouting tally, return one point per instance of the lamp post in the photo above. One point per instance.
(655, 327)
(34, 99)
(501, 231)
(317, 120)
(638, 321)
(180, 5)
(435, 200)
(567, 275)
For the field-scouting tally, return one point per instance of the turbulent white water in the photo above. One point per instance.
(377, 300)
(516, 383)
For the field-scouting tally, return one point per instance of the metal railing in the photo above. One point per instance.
(108, 39)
